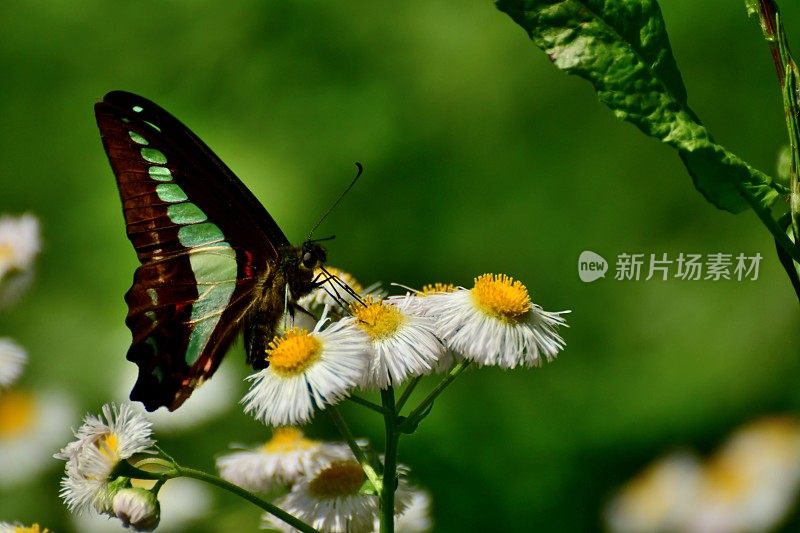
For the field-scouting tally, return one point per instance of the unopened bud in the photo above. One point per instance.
(137, 508)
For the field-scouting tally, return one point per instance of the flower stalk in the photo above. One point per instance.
(126, 469)
(772, 27)
(347, 435)
(422, 410)
(390, 460)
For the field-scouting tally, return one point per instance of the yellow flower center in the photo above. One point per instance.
(288, 439)
(17, 412)
(728, 481)
(108, 444)
(291, 354)
(342, 275)
(378, 319)
(342, 478)
(501, 296)
(32, 529)
(432, 288)
(6, 251)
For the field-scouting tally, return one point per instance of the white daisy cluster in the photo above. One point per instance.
(32, 422)
(750, 484)
(376, 343)
(323, 485)
(19, 245)
(91, 482)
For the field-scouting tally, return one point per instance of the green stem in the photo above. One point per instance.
(157, 487)
(786, 68)
(366, 403)
(389, 461)
(165, 454)
(347, 435)
(419, 412)
(790, 105)
(126, 469)
(407, 393)
(249, 496)
(772, 225)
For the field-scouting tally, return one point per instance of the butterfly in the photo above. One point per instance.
(213, 261)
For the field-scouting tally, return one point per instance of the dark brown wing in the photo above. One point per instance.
(205, 243)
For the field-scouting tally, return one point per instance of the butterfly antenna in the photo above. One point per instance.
(321, 282)
(338, 200)
(337, 281)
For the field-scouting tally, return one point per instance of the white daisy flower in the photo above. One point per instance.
(307, 371)
(182, 501)
(282, 460)
(101, 443)
(82, 494)
(753, 481)
(32, 424)
(137, 508)
(661, 498)
(322, 295)
(16, 527)
(413, 302)
(402, 345)
(494, 323)
(19, 243)
(12, 360)
(331, 501)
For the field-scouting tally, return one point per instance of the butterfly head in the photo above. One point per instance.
(312, 255)
(299, 265)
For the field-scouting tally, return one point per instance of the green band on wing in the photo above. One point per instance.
(215, 272)
(170, 192)
(152, 316)
(151, 342)
(153, 156)
(186, 213)
(138, 139)
(160, 173)
(196, 235)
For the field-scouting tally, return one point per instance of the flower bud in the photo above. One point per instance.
(137, 508)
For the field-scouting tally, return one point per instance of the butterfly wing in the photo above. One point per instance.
(206, 246)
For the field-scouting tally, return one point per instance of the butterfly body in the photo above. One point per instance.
(293, 277)
(213, 261)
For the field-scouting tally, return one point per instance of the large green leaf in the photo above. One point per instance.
(621, 47)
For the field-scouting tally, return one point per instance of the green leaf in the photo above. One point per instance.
(621, 47)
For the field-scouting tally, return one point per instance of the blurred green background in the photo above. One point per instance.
(480, 156)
